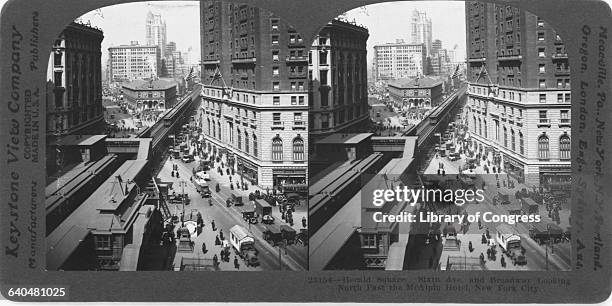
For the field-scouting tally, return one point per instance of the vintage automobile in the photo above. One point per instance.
(235, 200)
(273, 235)
(288, 233)
(244, 245)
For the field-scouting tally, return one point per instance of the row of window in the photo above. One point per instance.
(297, 146)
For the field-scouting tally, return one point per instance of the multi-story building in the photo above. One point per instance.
(399, 60)
(155, 31)
(134, 61)
(337, 71)
(435, 46)
(416, 92)
(519, 93)
(152, 94)
(74, 90)
(254, 109)
(420, 30)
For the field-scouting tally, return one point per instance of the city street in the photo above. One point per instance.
(294, 257)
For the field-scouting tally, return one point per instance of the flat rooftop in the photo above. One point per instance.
(345, 138)
(78, 140)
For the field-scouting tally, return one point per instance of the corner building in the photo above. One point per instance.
(254, 109)
(74, 87)
(518, 106)
(337, 76)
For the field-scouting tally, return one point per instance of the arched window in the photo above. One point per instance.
(254, 145)
(521, 144)
(543, 147)
(486, 134)
(214, 131)
(239, 139)
(479, 127)
(505, 137)
(513, 140)
(298, 149)
(564, 147)
(277, 149)
(246, 141)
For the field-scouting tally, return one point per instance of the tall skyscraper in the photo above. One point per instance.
(399, 60)
(420, 29)
(156, 32)
(254, 71)
(338, 96)
(519, 93)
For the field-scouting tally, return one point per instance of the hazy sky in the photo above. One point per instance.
(126, 22)
(389, 21)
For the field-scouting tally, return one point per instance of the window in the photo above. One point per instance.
(521, 144)
(567, 98)
(298, 149)
(559, 98)
(276, 100)
(505, 137)
(301, 100)
(293, 100)
(254, 145)
(325, 121)
(103, 242)
(497, 130)
(513, 140)
(564, 116)
(275, 71)
(541, 36)
(540, 22)
(239, 139)
(567, 83)
(542, 98)
(246, 142)
(542, 83)
(275, 54)
(276, 117)
(369, 241)
(485, 129)
(275, 39)
(322, 57)
(541, 52)
(559, 83)
(542, 68)
(277, 149)
(543, 147)
(543, 116)
(274, 24)
(276, 86)
(564, 147)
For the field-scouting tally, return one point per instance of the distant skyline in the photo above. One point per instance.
(389, 21)
(123, 23)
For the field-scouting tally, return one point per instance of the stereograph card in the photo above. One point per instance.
(306, 151)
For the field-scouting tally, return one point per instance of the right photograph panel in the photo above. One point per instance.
(439, 139)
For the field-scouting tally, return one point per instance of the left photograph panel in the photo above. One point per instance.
(176, 140)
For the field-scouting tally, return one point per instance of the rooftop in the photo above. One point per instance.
(149, 85)
(79, 140)
(345, 138)
(423, 82)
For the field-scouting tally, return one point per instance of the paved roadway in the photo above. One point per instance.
(295, 257)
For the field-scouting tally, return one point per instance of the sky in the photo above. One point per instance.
(387, 22)
(182, 23)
